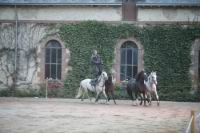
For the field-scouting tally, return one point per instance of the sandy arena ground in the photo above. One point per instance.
(39, 115)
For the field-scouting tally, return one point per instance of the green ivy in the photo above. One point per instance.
(167, 51)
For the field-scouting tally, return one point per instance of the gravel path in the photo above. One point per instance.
(38, 115)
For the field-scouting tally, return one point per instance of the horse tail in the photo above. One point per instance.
(80, 91)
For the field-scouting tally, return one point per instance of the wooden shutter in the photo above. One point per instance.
(129, 10)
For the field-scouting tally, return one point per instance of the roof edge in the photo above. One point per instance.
(168, 4)
(58, 4)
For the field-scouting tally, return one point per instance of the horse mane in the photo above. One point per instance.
(109, 81)
(139, 76)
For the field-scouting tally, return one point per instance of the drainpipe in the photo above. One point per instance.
(14, 77)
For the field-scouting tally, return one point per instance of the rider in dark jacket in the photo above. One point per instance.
(96, 65)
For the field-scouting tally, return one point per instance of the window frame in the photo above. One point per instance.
(125, 47)
(50, 63)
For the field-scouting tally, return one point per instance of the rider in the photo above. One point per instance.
(96, 66)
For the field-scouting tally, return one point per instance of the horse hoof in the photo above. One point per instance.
(158, 104)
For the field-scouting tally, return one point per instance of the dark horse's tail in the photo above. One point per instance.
(131, 87)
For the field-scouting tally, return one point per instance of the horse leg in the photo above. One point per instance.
(157, 98)
(129, 91)
(97, 96)
(112, 93)
(136, 98)
(141, 98)
(88, 95)
(138, 90)
(144, 96)
(83, 95)
(104, 93)
(107, 93)
(150, 98)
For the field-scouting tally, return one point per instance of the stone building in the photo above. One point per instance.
(27, 36)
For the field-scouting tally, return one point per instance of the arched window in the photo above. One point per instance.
(129, 60)
(53, 60)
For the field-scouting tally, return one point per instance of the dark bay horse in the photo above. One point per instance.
(109, 88)
(137, 87)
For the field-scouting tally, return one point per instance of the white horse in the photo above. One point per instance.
(85, 85)
(151, 87)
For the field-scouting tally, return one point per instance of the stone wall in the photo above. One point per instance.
(172, 14)
(62, 13)
(30, 47)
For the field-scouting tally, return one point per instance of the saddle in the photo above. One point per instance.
(93, 82)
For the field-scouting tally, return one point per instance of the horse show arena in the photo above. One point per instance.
(39, 115)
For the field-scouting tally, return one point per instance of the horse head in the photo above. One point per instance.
(153, 77)
(104, 75)
(141, 77)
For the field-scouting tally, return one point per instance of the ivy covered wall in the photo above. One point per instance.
(166, 50)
